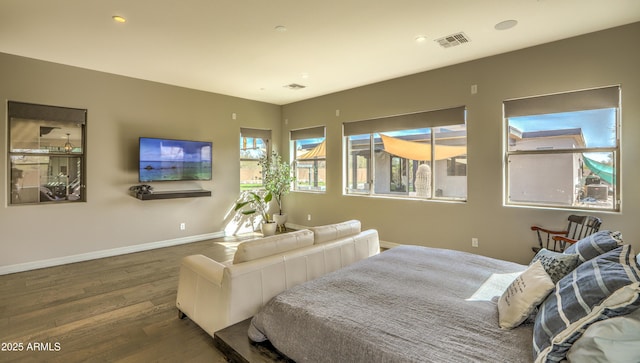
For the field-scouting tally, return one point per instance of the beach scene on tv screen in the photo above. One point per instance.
(166, 160)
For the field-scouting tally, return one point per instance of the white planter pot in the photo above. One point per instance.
(280, 219)
(268, 229)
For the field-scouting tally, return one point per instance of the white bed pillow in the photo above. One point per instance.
(524, 294)
(611, 340)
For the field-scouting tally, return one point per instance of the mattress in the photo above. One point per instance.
(407, 304)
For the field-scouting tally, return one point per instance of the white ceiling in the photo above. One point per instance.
(231, 47)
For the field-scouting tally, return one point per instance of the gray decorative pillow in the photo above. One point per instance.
(609, 286)
(557, 264)
(595, 245)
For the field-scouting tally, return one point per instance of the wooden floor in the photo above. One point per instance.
(116, 309)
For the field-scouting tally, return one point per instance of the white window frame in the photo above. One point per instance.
(434, 121)
(604, 98)
(248, 133)
(297, 137)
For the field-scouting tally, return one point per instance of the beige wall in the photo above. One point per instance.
(120, 110)
(600, 59)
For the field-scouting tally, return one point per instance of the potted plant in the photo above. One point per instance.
(277, 179)
(258, 204)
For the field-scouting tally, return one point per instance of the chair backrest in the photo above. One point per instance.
(578, 228)
(582, 226)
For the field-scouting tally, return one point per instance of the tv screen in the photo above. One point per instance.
(169, 160)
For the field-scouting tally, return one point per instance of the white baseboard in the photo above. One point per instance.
(27, 266)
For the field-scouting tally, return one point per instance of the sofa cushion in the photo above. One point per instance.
(332, 232)
(272, 245)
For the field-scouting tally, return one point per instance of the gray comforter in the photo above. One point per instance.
(408, 304)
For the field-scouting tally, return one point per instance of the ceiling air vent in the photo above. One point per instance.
(295, 86)
(453, 40)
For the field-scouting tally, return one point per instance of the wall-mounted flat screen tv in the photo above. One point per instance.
(170, 160)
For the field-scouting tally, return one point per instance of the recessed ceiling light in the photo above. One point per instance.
(507, 24)
(119, 19)
(421, 38)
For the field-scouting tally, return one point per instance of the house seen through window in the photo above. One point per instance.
(563, 150)
(254, 144)
(310, 159)
(420, 155)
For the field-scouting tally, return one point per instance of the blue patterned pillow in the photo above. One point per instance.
(556, 264)
(595, 245)
(604, 287)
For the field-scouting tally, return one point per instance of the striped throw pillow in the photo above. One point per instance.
(601, 288)
(594, 245)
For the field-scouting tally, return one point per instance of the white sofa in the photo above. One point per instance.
(215, 295)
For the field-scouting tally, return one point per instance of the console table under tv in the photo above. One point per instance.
(173, 194)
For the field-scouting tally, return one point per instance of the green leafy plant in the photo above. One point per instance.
(255, 203)
(276, 177)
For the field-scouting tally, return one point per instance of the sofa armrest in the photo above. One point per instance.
(205, 267)
(201, 295)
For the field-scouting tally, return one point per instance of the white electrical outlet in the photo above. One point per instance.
(308, 217)
(183, 226)
(474, 242)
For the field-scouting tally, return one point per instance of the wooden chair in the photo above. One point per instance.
(578, 228)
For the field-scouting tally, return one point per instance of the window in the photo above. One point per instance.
(310, 159)
(254, 144)
(420, 155)
(46, 154)
(562, 150)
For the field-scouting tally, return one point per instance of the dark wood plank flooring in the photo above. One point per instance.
(116, 309)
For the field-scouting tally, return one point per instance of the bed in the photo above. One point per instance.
(410, 304)
(416, 304)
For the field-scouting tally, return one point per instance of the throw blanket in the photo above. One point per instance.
(408, 304)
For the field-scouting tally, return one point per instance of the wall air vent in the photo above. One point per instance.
(453, 40)
(295, 86)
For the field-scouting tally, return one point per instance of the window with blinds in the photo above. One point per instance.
(418, 155)
(562, 150)
(254, 145)
(310, 158)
